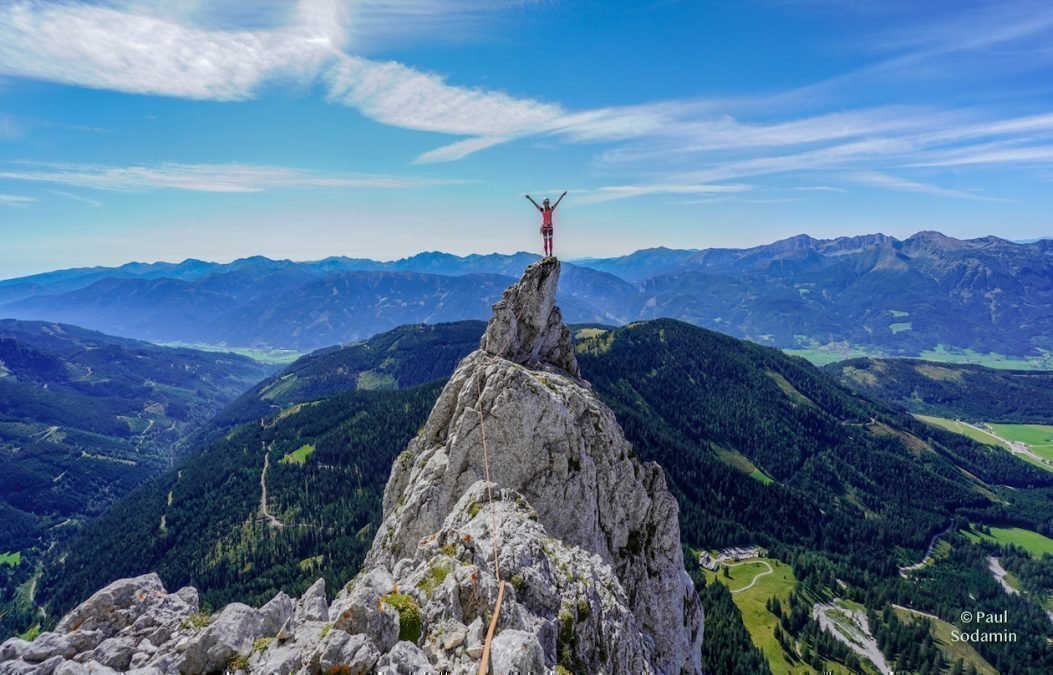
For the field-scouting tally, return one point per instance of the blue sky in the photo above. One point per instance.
(166, 129)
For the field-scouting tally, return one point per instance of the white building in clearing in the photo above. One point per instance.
(734, 554)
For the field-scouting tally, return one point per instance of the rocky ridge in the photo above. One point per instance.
(587, 543)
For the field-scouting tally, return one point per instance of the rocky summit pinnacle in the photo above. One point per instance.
(527, 326)
(585, 535)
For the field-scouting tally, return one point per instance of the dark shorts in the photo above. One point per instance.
(546, 231)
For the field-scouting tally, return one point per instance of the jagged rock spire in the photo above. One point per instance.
(557, 449)
(527, 327)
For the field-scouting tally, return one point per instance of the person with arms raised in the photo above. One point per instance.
(547, 210)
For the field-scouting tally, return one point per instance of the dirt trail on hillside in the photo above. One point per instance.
(264, 513)
(750, 562)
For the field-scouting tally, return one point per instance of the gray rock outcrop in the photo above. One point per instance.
(585, 536)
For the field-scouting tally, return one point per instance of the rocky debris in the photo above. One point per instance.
(232, 633)
(312, 606)
(587, 544)
(357, 653)
(515, 651)
(13, 649)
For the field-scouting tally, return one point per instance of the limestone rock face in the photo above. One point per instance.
(585, 536)
(553, 442)
(527, 326)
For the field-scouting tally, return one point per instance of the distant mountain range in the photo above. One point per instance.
(875, 292)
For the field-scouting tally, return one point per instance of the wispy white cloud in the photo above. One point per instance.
(383, 23)
(400, 96)
(16, 200)
(459, 150)
(935, 146)
(973, 156)
(740, 200)
(229, 178)
(818, 188)
(77, 198)
(981, 26)
(1008, 36)
(884, 180)
(133, 51)
(615, 192)
(698, 135)
(195, 49)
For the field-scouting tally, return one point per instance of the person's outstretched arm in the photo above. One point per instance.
(533, 202)
(559, 200)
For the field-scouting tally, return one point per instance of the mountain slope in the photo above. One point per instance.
(901, 297)
(203, 523)
(275, 304)
(356, 406)
(951, 390)
(354, 306)
(84, 417)
(398, 359)
(850, 477)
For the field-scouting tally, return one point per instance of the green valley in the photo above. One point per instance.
(84, 419)
(1034, 543)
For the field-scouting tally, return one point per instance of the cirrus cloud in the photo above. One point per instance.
(227, 178)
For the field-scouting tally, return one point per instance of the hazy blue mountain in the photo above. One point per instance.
(258, 302)
(353, 306)
(163, 309)
(897, 297)
(642, 264)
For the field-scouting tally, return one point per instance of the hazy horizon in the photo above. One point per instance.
(408, 255)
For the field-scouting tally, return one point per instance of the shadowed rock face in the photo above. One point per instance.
(586, 538)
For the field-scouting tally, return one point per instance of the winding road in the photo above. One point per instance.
(1016, 447)
(905, 571)
(751, 562)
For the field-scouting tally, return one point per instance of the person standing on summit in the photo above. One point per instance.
(546, 219)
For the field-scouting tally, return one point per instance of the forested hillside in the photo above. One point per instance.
(326, 466)
(403, 357)
(84, 417)
(969, 392)
(333, 420)
(827, 470)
